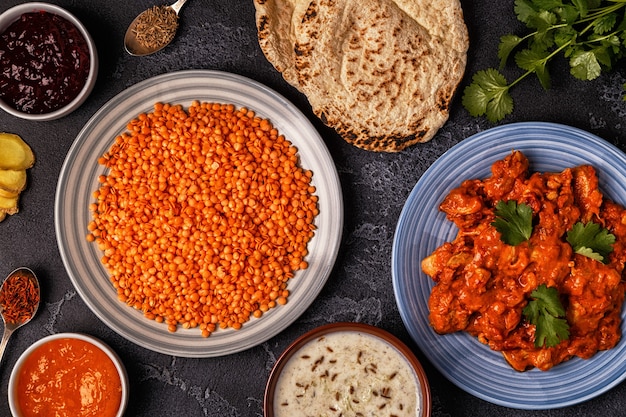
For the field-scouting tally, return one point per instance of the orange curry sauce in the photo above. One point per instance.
(69, 378)
(483, 284)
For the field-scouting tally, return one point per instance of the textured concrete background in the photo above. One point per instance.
(221, 35)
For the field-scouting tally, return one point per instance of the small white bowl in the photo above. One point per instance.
(13, 14)
(13, 379)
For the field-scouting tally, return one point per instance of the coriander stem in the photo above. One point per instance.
(520, 78)
(598, 39)
(601, 12)
(589, 18)
(546, 59)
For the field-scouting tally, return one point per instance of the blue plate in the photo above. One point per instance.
(421, 228)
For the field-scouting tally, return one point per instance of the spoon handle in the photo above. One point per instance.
(178, 5)
(5, 339)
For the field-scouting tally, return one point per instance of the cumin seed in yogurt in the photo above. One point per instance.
(347, 373)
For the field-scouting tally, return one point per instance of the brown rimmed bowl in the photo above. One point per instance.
(335, 336)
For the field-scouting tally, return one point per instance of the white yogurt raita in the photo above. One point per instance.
(347, 373)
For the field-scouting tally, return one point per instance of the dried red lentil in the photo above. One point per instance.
(203, 216)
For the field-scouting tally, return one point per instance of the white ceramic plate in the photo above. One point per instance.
(422, 228)
(78, 179)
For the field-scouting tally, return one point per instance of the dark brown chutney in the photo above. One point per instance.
(44, 63)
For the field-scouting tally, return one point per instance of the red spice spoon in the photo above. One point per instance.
(19, 301)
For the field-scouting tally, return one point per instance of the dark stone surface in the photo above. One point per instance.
(221, 35)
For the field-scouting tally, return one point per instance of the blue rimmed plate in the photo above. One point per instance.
(421, 228)
(79, 178)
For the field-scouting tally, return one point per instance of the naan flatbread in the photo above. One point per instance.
(382, 73)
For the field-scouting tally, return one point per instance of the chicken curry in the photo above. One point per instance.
(484, 286)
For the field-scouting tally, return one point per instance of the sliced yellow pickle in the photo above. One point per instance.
(9, 204)
(12, 180)
(15, 154)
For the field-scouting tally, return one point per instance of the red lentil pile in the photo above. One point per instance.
(204, 215)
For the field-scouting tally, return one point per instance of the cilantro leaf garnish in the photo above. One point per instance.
(514, 222)
(591, 34)
(488, 94)
(546, 312)
(591, 240)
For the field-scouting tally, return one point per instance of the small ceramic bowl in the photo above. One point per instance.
(12, 15)
(101, 384)
(347, 366)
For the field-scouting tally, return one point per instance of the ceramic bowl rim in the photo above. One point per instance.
(268, 399)
(11, 15)
(119, 365)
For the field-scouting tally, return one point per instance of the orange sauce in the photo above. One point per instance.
(69, 377)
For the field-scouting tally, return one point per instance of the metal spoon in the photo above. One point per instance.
(134, 47)
(11, 326)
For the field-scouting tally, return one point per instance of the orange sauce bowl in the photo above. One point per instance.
(68, 374)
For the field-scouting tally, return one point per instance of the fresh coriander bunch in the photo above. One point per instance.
(591, 34)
